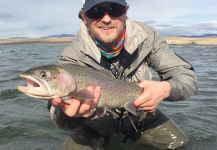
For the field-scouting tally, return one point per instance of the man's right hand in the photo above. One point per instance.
(82, 108)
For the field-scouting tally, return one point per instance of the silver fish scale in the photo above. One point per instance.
(114, 92)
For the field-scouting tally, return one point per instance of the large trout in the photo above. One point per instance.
(68, 80)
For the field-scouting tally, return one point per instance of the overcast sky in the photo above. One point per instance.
(36, 18)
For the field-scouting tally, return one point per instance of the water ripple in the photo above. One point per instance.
(25, 122)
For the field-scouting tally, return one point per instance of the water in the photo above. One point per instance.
(26, 125)
(25, 122)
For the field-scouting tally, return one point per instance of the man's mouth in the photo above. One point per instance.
(106, 27)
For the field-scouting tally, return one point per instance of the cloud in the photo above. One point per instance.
(44, 27)
(163, 25)
(150, 22)
(5, 14)
(38, 18)
(161, 12)
(46, 17)
(188, 30)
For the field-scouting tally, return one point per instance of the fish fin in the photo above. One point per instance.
(83, 94)
(131, 108)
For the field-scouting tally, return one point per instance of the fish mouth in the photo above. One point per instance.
(34, 87)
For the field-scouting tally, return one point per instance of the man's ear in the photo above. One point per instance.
(127, 7)
(83, 16)
(79, 15)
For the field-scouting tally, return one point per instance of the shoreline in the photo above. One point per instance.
(206, 41)
(23, 41)
(172, 40)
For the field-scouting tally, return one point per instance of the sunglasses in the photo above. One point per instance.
(114, 10)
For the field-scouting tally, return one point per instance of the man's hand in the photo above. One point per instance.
(75, 107)
(154, 92)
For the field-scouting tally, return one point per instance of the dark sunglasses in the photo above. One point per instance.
(114, 10)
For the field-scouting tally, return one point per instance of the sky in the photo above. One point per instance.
(38, 18)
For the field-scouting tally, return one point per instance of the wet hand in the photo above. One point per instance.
(82, 108)
(154, 92)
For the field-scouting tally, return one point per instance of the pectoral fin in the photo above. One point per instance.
(82, 94)
(131, 108)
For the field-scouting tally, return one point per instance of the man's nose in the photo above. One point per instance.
(106, 18)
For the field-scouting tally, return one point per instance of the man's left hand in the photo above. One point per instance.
(154, 92)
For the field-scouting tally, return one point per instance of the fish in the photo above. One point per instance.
(71, 80)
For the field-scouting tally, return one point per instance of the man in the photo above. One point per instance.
(128, 49)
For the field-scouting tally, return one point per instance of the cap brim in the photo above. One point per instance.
(89, 4)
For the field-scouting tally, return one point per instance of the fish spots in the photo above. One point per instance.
(79, 83)
(81, 75)
(104, 97)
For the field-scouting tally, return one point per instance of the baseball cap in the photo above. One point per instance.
(87, 4)
(90, 3)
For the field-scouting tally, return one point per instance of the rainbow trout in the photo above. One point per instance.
(69, 80)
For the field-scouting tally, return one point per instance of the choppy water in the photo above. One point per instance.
(25, 123)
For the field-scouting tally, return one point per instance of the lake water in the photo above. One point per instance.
(25, 123)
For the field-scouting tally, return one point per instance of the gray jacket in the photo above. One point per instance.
(144, 49)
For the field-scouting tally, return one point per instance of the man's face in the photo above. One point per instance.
(105, 28)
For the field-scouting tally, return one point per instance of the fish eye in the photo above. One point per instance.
(43, 74)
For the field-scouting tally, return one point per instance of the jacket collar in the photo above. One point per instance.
(136, 34)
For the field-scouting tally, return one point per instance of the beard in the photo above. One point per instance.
(106, 37)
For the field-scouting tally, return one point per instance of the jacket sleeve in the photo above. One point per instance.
(68, 56)
(174, 69)
(62, 120)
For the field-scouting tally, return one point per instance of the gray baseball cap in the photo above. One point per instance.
(91, 3)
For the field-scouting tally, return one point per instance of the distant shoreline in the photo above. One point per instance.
(67, 40)
(212, 41)
(52, 40)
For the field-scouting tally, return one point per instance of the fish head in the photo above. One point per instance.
(47, 82)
